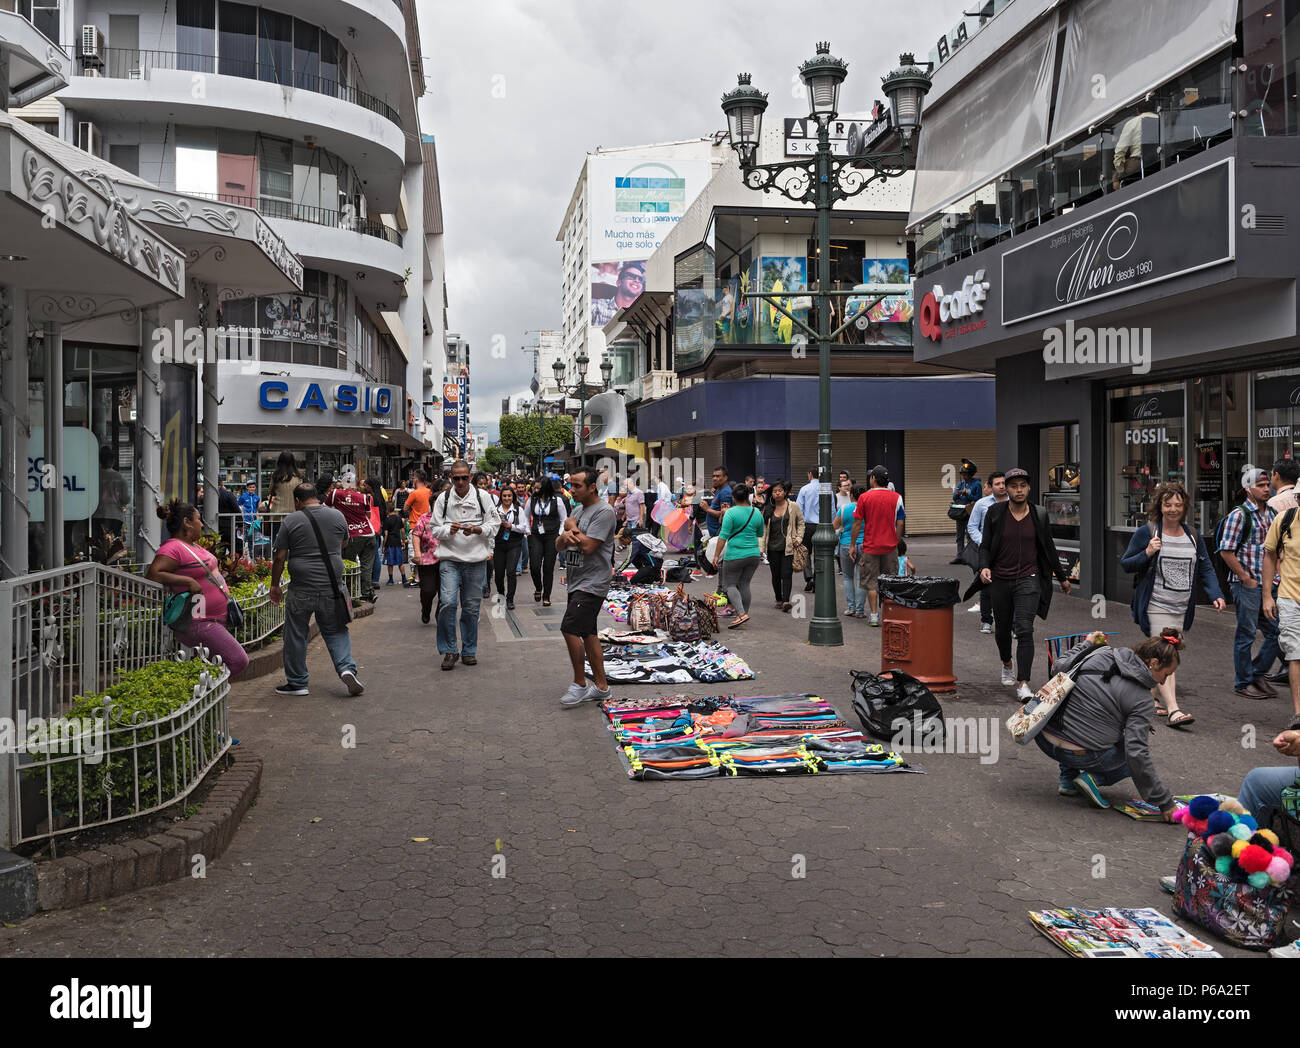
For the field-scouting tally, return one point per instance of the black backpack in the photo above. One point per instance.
(1221, 569)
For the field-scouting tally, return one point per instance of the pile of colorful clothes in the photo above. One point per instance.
(679, 737)
(652, 658)
(618, 598)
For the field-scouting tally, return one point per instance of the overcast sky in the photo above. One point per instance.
(519, 91)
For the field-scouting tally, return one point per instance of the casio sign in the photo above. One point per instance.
(345, 398)
(938, 308)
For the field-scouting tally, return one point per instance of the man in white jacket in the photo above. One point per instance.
(464, 519)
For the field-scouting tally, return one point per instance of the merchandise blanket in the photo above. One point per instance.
(651, 658)
(680, 737)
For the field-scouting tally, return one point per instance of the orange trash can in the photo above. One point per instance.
(916, 628)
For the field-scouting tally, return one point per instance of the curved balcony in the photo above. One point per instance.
(272, 207)
(172, 87)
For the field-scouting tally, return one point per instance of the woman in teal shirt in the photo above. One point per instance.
(738, 554)
(855, 597)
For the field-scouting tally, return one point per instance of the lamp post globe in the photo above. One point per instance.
(743, 107)
(906, 88)
(606, 370)
(822, 76)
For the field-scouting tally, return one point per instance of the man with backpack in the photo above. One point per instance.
(464, 519)
(1240, 543)
(1282, 556)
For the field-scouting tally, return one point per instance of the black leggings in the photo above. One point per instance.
(504, 559)
(429, 586)
(541, 562)
(782, 574)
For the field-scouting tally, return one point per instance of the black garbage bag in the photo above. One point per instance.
(895, 701)
(920, 591)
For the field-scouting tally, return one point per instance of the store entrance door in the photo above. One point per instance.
(1060, 485)
(1220, 447)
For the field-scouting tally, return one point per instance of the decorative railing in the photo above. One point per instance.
(273, 207)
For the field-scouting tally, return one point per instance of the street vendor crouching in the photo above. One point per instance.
(1100, 734)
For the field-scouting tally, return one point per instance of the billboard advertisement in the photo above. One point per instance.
(634, 204)
(462, 408)
(450, 408)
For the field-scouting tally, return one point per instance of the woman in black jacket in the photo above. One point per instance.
(546, 516)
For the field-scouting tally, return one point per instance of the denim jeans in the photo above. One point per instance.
(1105, 766)
(460, 586)
(522, 566)
(299, 606)
(379, 562)
(1249, 603)
(855, 597)
(1261, 792)
(1015, 603)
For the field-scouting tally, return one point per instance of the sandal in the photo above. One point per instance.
(1180, 719)
(739, 622)
(537, 596)
(786, 606)
(546, 604)
(1161, 711)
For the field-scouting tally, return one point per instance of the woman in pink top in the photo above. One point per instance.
(180, 565)
(425, 549)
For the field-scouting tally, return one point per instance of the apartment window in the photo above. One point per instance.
(196, 35)
(275, 48)
(45, 17)
(237, 40)
(306, 55)
(276, 167)
(329, 60)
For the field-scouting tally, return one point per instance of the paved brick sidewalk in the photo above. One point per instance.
(945, 863)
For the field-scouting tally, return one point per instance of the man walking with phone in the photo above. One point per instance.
(464, 520)
(587, 544)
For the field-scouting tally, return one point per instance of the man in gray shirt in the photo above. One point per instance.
(587, 544)
(311, 590)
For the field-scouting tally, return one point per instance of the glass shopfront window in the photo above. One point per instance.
(307, 328)
(1277, 416)
(1219, 446)
(1146, 448)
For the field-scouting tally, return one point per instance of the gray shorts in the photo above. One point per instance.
(1288, 627)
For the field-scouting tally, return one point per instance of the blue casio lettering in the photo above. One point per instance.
(264, 395)
(313, 398)
(383, 402)
(346, 398)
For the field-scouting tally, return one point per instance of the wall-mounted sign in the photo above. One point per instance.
(80, 480)
(1166, 232)
(256, 400)
(943, 315)
(1209, 470)
(1148, 407)
(850, 135)
(344, 397)
(1277, 394)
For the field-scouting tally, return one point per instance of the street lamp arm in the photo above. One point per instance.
(796, 181)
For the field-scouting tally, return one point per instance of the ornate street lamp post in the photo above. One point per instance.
(823, 180)
(581, 389)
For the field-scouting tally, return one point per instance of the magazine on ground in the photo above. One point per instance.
(1118, 933)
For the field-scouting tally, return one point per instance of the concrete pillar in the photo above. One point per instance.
(211, 421)
(52, 346)
(148, 444)
(15, 430)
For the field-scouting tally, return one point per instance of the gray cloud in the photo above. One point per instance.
(572, 76)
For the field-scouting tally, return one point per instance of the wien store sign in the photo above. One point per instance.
(1167, 232)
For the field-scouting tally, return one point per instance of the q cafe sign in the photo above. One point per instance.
(943, 315)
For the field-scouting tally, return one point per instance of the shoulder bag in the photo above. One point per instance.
(342, 602)
(799, 551)
(1033, 716)
(234, 613)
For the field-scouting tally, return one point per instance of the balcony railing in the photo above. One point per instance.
(273, 207)
(120, 63)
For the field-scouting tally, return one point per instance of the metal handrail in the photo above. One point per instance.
(272, 207)
(122, 63)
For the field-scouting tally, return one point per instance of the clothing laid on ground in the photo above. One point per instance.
(298, 539)
(672, 663)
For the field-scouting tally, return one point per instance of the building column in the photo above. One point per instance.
(52, 346)
(211, 421)
(148, 474)
(15, 431)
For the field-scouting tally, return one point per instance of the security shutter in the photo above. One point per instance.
(681, 464)
(849, 452)
(708, 450)
(925, 454)
(803, 456)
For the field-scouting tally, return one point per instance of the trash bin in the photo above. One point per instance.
(916, 628)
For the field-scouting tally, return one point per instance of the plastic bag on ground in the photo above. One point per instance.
(887, 702)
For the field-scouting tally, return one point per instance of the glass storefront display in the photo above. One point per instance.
(1276, 427)
(1062, 491)
(1147, 429)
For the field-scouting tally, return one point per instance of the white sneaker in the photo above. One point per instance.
(1291, 949)
(578, 694)
(974, 607)
(1024, 693)
(874, 621)
(1008, 678)
(986, 627)
(355, 687)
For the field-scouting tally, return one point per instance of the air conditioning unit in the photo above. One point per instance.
(89, 139)
(92, 46)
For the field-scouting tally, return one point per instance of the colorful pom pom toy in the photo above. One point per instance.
(1241, 850)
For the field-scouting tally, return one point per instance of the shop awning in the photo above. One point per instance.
(1128, 49)
(990, 123)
